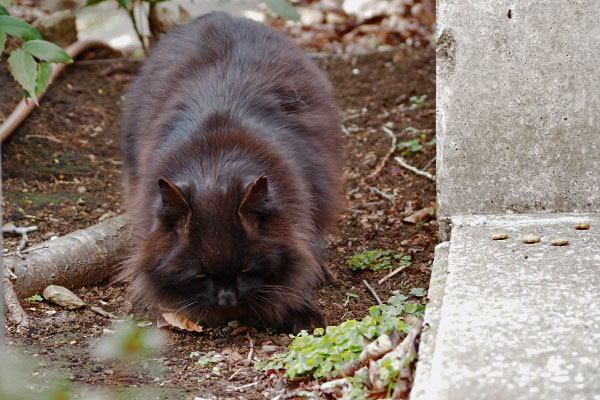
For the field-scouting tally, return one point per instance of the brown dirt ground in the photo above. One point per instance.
(61, 171)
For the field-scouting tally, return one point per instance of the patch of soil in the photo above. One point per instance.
(61, 171)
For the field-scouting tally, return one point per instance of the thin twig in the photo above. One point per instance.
(46, 137)
(417, 171)
(235, 373)
(251, 352)
(345, 130)
(109, 60)
(101, 312)
(370, 289)
(387, 155)
(429, 163)
(394, 272)
(29, 250)
(248, 385)
(388, 197)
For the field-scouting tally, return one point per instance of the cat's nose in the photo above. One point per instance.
(226, 298)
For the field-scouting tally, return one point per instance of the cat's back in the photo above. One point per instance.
(220, 63)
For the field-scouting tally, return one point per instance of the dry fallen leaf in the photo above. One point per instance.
(239, 331)
(171, 320)
(420, 215)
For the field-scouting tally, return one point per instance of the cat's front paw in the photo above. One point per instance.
(306, 319)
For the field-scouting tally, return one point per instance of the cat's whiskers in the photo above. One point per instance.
(250, 301)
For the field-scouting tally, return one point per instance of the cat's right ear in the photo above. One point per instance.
(175, 208)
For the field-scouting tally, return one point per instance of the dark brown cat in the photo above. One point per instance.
(232, 174)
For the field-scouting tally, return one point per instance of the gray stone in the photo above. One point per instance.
(516, 321)
(518, 107)
(233, 324)
(58, 27)
(63, 297)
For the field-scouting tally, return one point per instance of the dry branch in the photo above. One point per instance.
(372, 291)
(387, 155)
(417, 171)
(10, 228)
(78, 259)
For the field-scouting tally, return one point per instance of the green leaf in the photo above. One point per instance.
(3, 11)
(2, 41)
(24, 69)
(283, 9)
(46, 51)
(411, 308)
(43, 78)
(418, 292)
(89, 3)
(35, 298)
(5, 3)
(15, 27)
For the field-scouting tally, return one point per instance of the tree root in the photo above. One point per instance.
(12, 307)
(78, 259)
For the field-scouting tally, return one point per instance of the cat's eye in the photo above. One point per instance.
(200, 276)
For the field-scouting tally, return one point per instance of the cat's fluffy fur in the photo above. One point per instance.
(232, 165)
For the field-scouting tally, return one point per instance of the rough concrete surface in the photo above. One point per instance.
(518, 106)
(519, 321)
(431, 321)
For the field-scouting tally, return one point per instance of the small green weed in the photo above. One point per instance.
(202, 361)
(418, 292)
(375, 260)
(324, 353)
(417, 101)
(415, 145)
(349, 296)
(36, 298)
(411, 146)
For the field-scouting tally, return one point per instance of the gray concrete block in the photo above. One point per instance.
(431, 321)
(518, 106)
(518, 321)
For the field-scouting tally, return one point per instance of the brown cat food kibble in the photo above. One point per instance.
(582, 226)
(500, 236)
(530, 239)
(560, 242)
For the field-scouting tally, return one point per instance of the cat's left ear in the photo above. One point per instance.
(175, 208)
(255, 202)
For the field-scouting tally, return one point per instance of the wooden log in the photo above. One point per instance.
(81, 258)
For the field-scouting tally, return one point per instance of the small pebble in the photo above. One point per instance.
(500, 236)
(270, 349)
(80, 202)
(234, 324)
(582, 226)
(560, 242)
(81, 189)
(529, 239)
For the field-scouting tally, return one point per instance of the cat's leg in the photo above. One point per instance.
(319, 254)
(308, 317)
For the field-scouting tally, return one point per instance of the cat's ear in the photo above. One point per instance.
(255, 203)
(175, 208)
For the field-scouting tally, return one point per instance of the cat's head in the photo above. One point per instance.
(226, 245)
